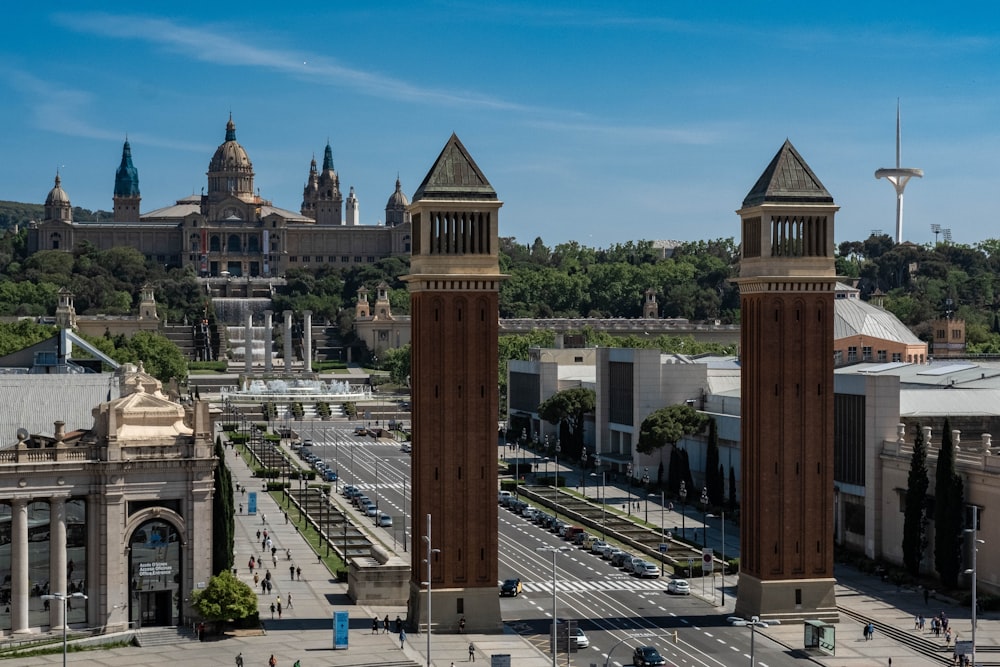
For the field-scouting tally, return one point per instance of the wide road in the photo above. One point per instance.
(609, 605)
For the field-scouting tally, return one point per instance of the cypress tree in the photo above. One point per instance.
(732, 488)
(223, 519)
(948, 512)
(915, 512)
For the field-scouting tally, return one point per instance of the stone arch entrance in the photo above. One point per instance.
(156, 578)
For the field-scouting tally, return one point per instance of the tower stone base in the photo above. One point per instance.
(479, 606)
(776, 600)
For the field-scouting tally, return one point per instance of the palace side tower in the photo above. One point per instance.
(786, 281)
(454, 286)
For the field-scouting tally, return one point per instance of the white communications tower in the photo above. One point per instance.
(899, 177)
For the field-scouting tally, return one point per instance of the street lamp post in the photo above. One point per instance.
(602, 497)
(704, 517)
(975, 548)
(557, 462)
(683, 493)
(645, 486)
(64, 599)
(628, 489)
(430, 553)
(583, 471)
(517, 463)
(555, 617)
(376, 491)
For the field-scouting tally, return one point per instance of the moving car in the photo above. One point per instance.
(510, 588)
(647, 656)
(679, 587)
(406, 448)
(579, 637)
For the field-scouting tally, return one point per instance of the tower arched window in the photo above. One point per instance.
(233, 243)
(215, 244)
(253, 244)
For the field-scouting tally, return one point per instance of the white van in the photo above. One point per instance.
(503, 497)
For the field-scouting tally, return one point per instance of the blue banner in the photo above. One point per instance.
(252, 503)
(340, 623)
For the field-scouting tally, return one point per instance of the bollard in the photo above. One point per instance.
(675, 636)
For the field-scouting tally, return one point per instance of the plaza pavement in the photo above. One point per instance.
(305, 631)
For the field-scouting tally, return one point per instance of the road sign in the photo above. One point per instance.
(663, 547)
(707, 559)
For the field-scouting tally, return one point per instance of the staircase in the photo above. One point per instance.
(327, 344)
(164, 635)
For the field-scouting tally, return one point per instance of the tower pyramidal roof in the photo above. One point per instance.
(787, 179)
(455, 175)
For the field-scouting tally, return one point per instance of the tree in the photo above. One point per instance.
(223, 522)
(948, 512)
(715, 482)
(733, 501)
(915, 512)
(225, 598)
(568, 408)
(397, 362)
(668, 425)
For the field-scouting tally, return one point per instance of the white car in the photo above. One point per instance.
(679, 587)
(579, 637)
(371, 510)
(634, 565)
(648, 570)
(384, 520)
(597, 546)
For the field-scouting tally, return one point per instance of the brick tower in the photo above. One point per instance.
(787, 280)
(454, 289)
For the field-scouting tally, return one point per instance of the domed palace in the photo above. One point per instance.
(229, 229)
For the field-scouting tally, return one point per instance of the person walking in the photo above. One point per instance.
(298, 573)
(272, 611)
(385, 624)
(472, 652)
(402, 638)
(375, 625)
(239, 659)
(289, 600)
(271, 662)
(870, 629)
(461, 625)
(291, 572)
(279, 608)
(263, 520)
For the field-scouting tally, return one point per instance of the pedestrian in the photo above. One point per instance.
(256, 579)
(272, 611)
(375, 625)
(279, 608)
(921, 622)
(263, 520)
(461, 625)
(201, 632)
(289, 600)
(402, 638)
(286, 517)
(271, 662)
(916, 622)
(268, 582)
(241, 508)
(385, 624)
(288, 554)
(239, 659)
(250, 564)
(267, 575)
(274, 560)
(298, 573)
(291, 572)
(258, 534)
(263, 587)
(871, 631)
(399, 624)
(472, 652)
(296, 664)
(947, 637)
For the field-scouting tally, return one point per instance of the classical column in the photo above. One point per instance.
(248, 343)
(268, 340)
(19, 565)
(288, 340)
(307, 355)
(57, 559)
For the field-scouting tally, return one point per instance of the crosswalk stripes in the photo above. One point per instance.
(595, 586)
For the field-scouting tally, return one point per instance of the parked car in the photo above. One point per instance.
(371, 510)
(579, 637)
(330, 476)
(510, 588)
(582, 539)
(384, 520)
(608, 552)
(618, 559)
(597, 546)
(647, 656)
(504, 495)
(360, 430)
(634, 565)
(349, 491)
(648, 570)
(571, 532)
(406, 448)
(529, 513)
(679, 587)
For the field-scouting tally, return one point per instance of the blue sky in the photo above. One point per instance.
(596, 122)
